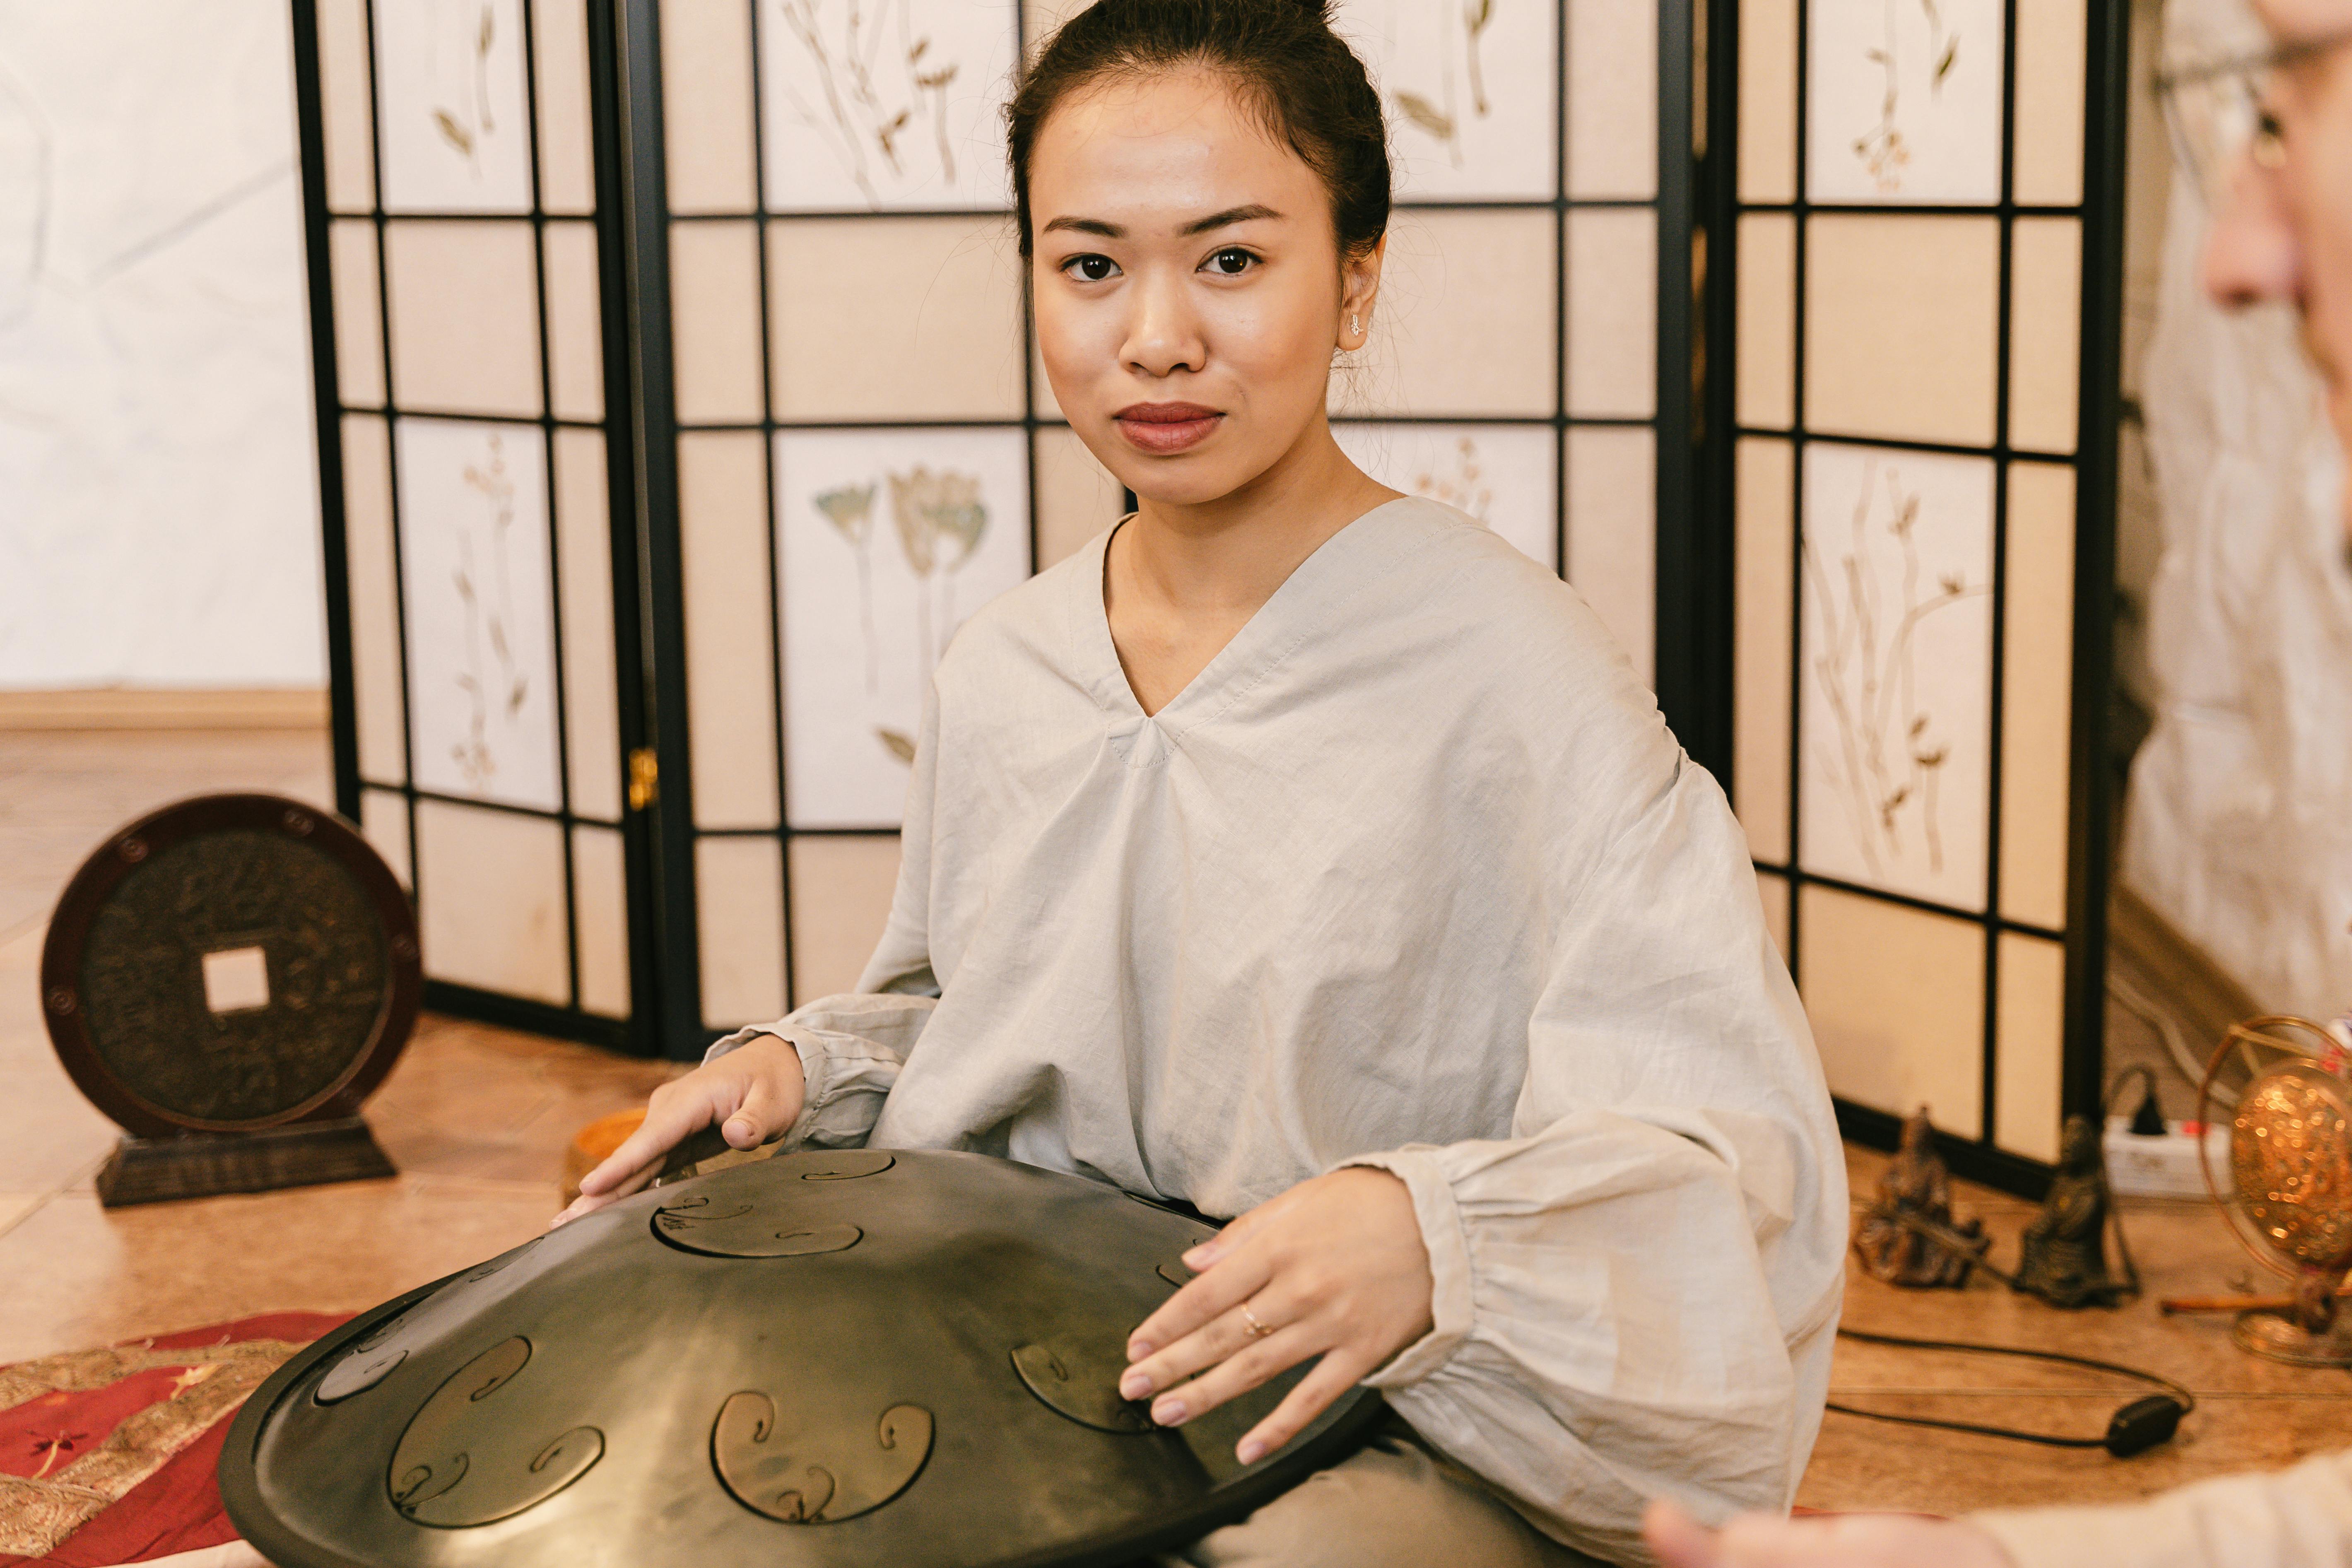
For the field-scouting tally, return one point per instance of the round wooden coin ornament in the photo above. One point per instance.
(227, 978)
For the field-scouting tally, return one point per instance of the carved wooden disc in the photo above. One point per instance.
(231, 962)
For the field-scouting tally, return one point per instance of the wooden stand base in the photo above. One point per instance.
(207, 1165)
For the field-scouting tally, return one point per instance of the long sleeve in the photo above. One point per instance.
(2300, 1518)
(1636, 1293)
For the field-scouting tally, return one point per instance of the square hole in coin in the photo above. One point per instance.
(237, 980)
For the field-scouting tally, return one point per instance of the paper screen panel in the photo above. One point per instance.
(1895, 710)
(898, 319)
(2037, 708)
(841, 887)
(599, 917)
(887, 540)
(1076, 496)
(1896, 999)
(384, 823)
(1772, 891)
(2052, 73)
(567, 170)
(1612, 100)
(464, 299)
(731, 695)
(490, 900)
(575, 335)
(359, 305)
(1768, 101)
(347, 105)
(452, 117)
(2030, 1055)
(1763, 662)
(591, 722)
(1612, 317)
(1766, 393)
(1471, 92)
(714, 294)
(738, 885)
(707, 104)
(2045, 342)
(1504, 476)
(372, 578)
(479, 594)
(1901, 317)
(921, 126)
(1613, 534)
(1903, 100)
(1467, 323)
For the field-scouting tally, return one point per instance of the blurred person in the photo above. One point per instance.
(2268, 138)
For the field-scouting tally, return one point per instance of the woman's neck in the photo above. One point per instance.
(1227, 556)
(1181, 580)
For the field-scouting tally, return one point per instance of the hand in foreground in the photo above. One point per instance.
(753, 1091)
(1335, 1266)
(1850, 1541)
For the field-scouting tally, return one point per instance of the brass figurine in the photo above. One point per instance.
(1894, 1239)
(2063, 1257)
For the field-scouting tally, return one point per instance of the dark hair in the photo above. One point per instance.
(1292, 70)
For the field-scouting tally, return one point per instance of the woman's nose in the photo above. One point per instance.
(1165, 334)
(2251, 253)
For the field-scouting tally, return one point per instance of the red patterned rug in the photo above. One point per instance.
(107, 1456)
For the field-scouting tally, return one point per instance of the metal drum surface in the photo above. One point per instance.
(852, 1357)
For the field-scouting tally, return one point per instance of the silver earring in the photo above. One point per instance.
(1352, 325)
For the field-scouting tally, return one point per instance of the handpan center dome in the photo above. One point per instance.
(824, 1358)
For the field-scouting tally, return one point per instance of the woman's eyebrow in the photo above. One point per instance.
(1109, 230)
(1230, 215)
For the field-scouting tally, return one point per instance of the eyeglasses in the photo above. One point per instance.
(2219, 111)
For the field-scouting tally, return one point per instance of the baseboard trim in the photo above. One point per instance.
(165, 708)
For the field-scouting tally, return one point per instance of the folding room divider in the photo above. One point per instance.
(677, 398)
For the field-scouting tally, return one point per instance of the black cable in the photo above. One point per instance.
(2137, 1426)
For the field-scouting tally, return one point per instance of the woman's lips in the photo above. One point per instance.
(1164, 427)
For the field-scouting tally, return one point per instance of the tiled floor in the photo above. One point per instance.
(477, 1118)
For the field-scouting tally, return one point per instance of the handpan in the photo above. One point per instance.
(852, 1357)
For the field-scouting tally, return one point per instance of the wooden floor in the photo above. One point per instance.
(477, 1118)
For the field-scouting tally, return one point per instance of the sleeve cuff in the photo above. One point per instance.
(1449, 1265)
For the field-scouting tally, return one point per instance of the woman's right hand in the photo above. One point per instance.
(751, 1094)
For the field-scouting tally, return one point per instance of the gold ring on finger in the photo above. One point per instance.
(1257, 1331)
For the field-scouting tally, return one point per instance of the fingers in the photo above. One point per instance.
(669, 1117)
(1237, 1373)
(758, 1118)
(589, 1203)
(1333, 1376)
(1225, 1335)
(1680, 1541)
(1221, 1288)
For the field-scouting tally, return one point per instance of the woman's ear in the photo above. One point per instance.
(1360, 287)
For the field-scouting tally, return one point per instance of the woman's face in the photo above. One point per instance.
(1189, 287)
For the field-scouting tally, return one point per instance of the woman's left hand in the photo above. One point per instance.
(1334, 1266)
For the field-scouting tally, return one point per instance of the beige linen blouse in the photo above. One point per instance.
(1412, 876)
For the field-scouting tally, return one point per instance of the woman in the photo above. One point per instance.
(1301, 852)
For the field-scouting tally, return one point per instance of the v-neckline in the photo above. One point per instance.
(1116, 692)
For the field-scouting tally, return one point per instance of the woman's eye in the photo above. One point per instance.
(1231, 261)
(1090, 268)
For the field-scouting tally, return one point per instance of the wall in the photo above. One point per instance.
(158, 509)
